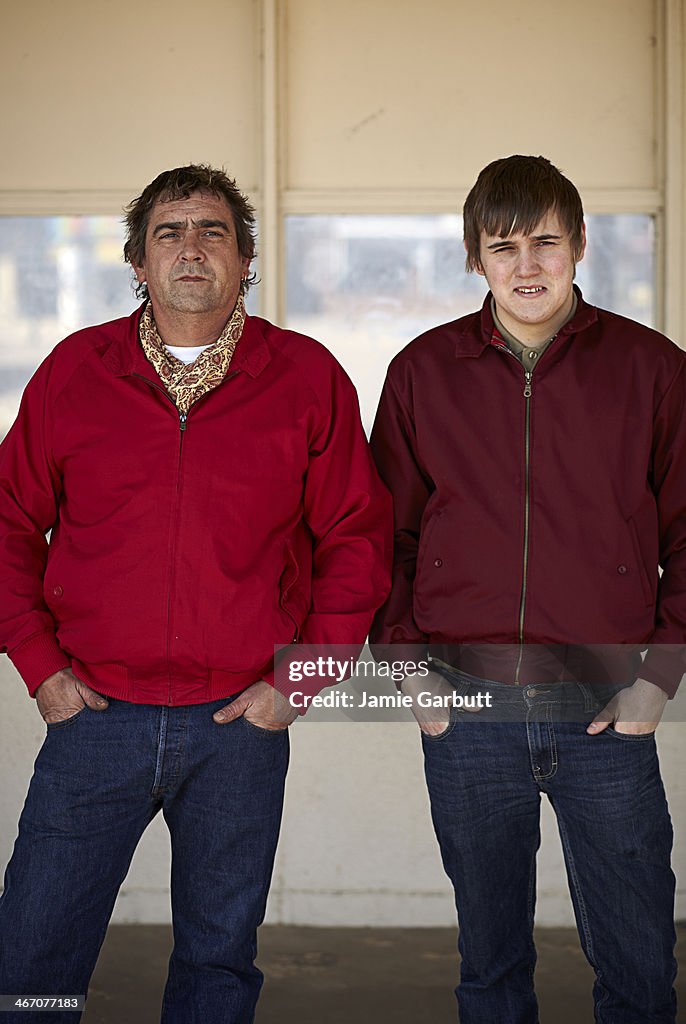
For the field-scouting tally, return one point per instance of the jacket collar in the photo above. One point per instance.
(124, 354)
(475, 331)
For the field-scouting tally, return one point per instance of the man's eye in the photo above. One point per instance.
(170, 234)
(214, 234)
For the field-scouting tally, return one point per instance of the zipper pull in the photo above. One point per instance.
(528, 376)
(182, 420)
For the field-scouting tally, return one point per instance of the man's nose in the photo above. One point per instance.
(527, 263)
(191, 250)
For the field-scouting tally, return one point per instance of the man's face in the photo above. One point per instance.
(531, 277)
(192, 263)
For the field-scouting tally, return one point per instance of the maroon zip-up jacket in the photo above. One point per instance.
(181, 553)
(537, 520)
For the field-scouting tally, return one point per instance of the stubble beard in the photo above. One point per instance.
(192, 298)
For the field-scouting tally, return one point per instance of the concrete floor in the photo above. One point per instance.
(342, 975)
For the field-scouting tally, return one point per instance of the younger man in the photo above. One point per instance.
(536, 452)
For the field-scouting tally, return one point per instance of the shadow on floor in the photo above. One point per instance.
(342, 976)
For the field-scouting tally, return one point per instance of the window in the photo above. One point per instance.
(366, 285)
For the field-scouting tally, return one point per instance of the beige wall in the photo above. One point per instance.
(400, 94)
(379, 105)
(102, 95)
(392, 94)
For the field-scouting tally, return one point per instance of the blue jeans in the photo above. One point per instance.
(99, 779)
(485, 776)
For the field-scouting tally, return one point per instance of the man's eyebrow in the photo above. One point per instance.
(211, 224)
(169, 225)
(536, 238)
(177, 225)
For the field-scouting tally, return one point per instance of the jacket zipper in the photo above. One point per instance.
(528, 391)
(183, 417)
(183, 425)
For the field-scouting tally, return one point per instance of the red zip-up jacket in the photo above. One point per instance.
(181, 553)
(536, 517)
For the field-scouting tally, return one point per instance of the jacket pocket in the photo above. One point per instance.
(648, 591)
(427, 533)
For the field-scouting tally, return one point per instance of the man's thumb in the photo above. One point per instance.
(600, 722)
(233, 710)
(94, 701)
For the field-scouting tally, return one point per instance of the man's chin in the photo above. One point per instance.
(200, 303)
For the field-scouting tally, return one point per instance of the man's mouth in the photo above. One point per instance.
(534, 290)
(191, 277)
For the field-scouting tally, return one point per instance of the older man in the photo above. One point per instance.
(210, 495)
(536, 451)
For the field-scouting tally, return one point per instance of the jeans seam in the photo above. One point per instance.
(576, 885)
(553, 741)
(531, 900)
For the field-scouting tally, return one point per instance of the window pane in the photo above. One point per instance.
(618, 270)
(57, 275)
(366, 285)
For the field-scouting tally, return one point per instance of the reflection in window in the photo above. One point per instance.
(366, 285)
(57, 275)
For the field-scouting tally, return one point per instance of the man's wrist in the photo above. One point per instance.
(651, 689)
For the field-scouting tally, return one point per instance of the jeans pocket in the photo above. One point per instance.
(64, 722)
(260, 729)
(452, 720)
(631, 737)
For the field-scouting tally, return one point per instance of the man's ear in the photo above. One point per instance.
(583, 243)
(139, 271)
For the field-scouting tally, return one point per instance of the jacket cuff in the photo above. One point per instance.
(37, 658)
(664, 666)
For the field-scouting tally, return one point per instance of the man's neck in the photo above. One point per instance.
(537, 335)
(189, 329)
